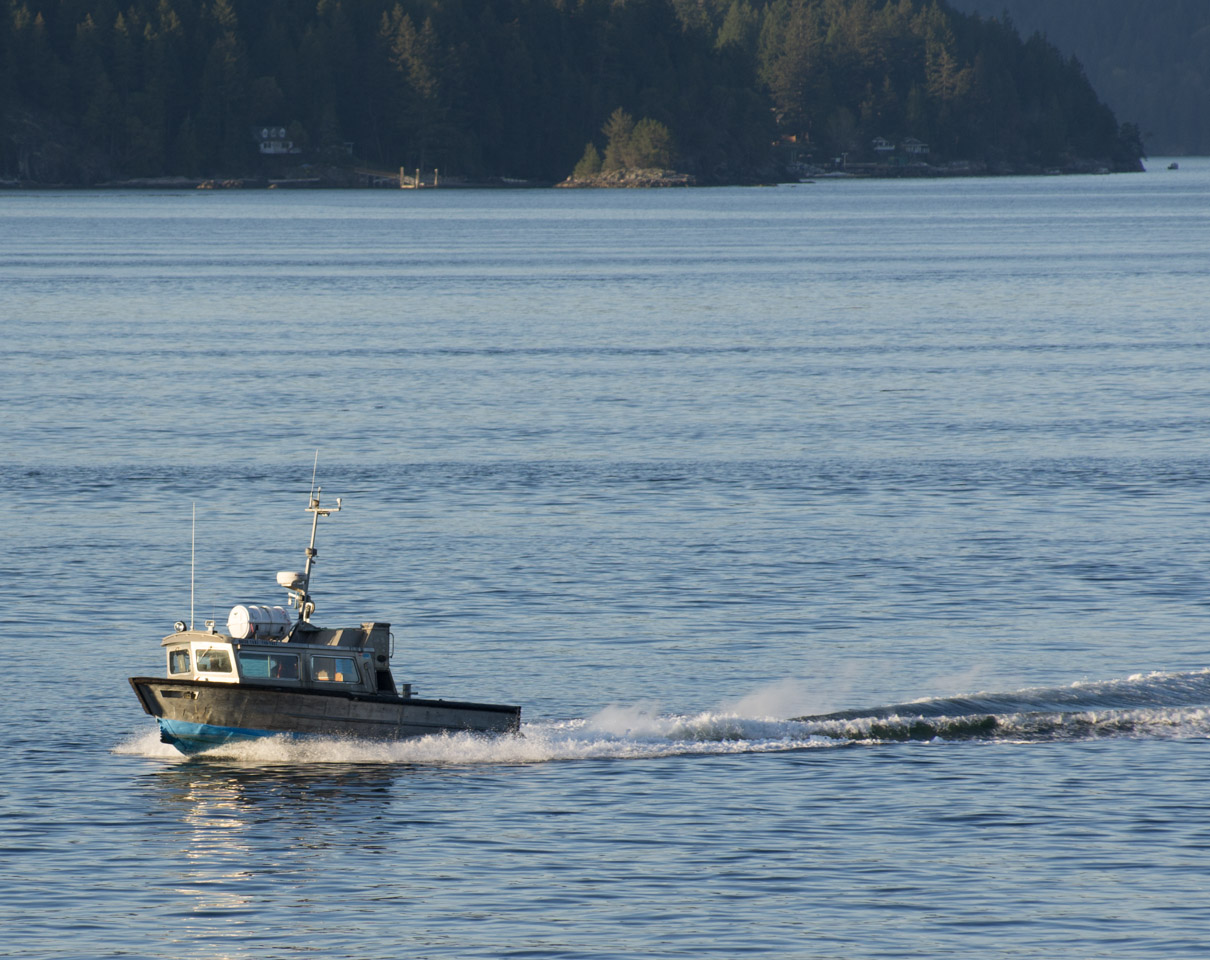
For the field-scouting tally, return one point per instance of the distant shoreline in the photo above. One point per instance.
(638, 179)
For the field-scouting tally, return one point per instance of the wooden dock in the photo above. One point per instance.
(403, 180)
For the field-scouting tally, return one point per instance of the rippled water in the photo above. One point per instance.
(843, 543)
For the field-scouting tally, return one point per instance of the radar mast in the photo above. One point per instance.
(299, 584)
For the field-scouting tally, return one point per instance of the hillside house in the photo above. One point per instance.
(272, 141)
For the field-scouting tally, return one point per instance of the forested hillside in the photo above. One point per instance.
(92, 90)
(1149, 61)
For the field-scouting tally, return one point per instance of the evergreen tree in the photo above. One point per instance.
(224, 123)
(618, 130)
(589, 164)
(96, 88)
(650, 145)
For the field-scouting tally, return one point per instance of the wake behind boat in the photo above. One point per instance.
(1133, 706)
(267, 676)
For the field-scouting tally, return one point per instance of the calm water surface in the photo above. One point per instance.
(926, 463)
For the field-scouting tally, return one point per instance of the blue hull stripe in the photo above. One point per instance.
(195, 737)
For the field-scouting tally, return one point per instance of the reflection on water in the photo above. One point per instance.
(245, 840)
(899, 440)
(222, 803)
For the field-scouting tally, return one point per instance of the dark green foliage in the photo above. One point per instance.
(633, 146)
(650, 146)
(92, 89)
(1150, 60)
(590, 163)
(843, 72)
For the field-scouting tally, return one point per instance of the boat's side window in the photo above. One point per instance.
(334, 669)
(269, 666)
(213, 661)
(178, 660)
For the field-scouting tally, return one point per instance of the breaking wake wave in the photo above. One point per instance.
(1144, 706)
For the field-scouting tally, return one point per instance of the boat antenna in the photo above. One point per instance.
(192, 563)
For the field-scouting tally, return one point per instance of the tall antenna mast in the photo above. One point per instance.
(316, 512)
(192, 563)
(299, 584)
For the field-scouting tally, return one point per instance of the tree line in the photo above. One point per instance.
(1150, 61)
(724, 89)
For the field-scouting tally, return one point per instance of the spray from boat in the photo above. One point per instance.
(1151, 706)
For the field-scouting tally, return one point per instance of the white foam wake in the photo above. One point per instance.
(1150, 706)
(614, 733)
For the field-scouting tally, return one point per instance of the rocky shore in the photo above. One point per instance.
(632, 178)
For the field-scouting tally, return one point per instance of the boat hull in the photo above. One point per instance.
(196, 715)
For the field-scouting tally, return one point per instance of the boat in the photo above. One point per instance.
(273, 674)
(1174, 165)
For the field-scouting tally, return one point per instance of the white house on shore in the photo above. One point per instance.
(272, 141)
(884, 148)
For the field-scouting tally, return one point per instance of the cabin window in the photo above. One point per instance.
(334, 669)
(178, 661)
(213, 661)
(269, 666)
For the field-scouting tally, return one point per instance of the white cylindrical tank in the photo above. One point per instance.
(256, 622)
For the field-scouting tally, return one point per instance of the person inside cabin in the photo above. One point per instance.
(338, 669)
(285, 668)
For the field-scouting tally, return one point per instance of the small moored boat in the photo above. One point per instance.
(271, 674)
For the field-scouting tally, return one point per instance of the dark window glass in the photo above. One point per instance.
(178, 661)
(334, 669)
(269, 666)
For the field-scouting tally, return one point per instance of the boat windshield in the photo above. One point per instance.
(178, 660)
(213, 661)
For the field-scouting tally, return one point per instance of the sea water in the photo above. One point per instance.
(844, 543)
